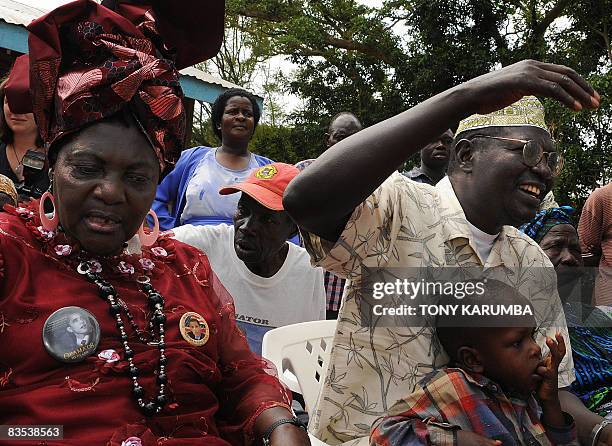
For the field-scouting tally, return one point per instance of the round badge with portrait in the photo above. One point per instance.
(194, 329)
(71, 334)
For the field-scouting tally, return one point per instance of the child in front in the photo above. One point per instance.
(497, 390)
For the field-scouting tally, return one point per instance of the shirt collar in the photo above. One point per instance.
(454, 219)
(455, 223)
(416, 173)
(478, 380)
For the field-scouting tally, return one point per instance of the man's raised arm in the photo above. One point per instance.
(322, 198)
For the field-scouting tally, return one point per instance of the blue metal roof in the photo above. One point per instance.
(13, 37)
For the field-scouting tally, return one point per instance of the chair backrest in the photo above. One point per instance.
(302, 349)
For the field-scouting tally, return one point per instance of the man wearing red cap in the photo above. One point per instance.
(272, 281)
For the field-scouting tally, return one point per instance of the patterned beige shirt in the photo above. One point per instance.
(408, 224)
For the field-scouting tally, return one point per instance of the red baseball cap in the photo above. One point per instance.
(265, 184)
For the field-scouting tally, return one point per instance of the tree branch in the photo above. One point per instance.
(606, 38)
(391, 25)
(301, 51)
(346, 44)
(554, 13)
(256, 14)
(350, 45)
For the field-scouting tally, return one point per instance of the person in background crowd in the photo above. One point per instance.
(590, 328)
(552, 229)
(8, 193)
(270, 279)
(22, 155)
(503, 163)
(595, 231)
(434, 160)
(151, 381)
(341, 126)
(189, 194)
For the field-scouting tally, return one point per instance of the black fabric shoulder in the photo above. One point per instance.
(5, 166)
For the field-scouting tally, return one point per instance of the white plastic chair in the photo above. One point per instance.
(301, 350)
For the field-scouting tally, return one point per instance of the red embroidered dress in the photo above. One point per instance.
(215, 391)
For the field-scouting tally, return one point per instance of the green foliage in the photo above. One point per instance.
(585, 139)
(201, 132)
(376, 62)
(276, 143)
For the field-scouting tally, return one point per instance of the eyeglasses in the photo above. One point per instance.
(533, 152)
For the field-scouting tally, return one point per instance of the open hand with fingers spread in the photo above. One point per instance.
(501, 88)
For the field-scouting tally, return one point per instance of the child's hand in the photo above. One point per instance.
(548, 390)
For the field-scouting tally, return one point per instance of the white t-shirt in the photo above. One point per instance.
(202, 196)
(483, 241)
(296, 293)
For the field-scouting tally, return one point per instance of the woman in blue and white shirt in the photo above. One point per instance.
(190, 193)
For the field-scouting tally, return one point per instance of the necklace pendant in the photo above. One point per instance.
(19, 171)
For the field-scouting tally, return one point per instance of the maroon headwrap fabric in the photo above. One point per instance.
(17, 88)
(87, 62)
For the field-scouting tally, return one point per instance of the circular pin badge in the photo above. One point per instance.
(71, 334)
(194, 329)
(266, 172)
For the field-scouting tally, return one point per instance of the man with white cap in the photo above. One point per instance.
(502, 164)
(271, 280)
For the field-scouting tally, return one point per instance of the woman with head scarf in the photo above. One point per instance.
(107, 100)
(553, 230)
(590, 328)
(190, 193)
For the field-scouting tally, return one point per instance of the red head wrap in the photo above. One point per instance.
(87, 62)
(17, 87)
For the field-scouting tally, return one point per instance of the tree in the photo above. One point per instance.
(239, 61)
(376, 62)
(585, 140)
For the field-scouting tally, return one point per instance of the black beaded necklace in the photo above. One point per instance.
(158, 318)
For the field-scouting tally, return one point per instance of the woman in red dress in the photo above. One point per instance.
(108, 103)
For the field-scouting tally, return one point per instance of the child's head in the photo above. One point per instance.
(502, 348)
